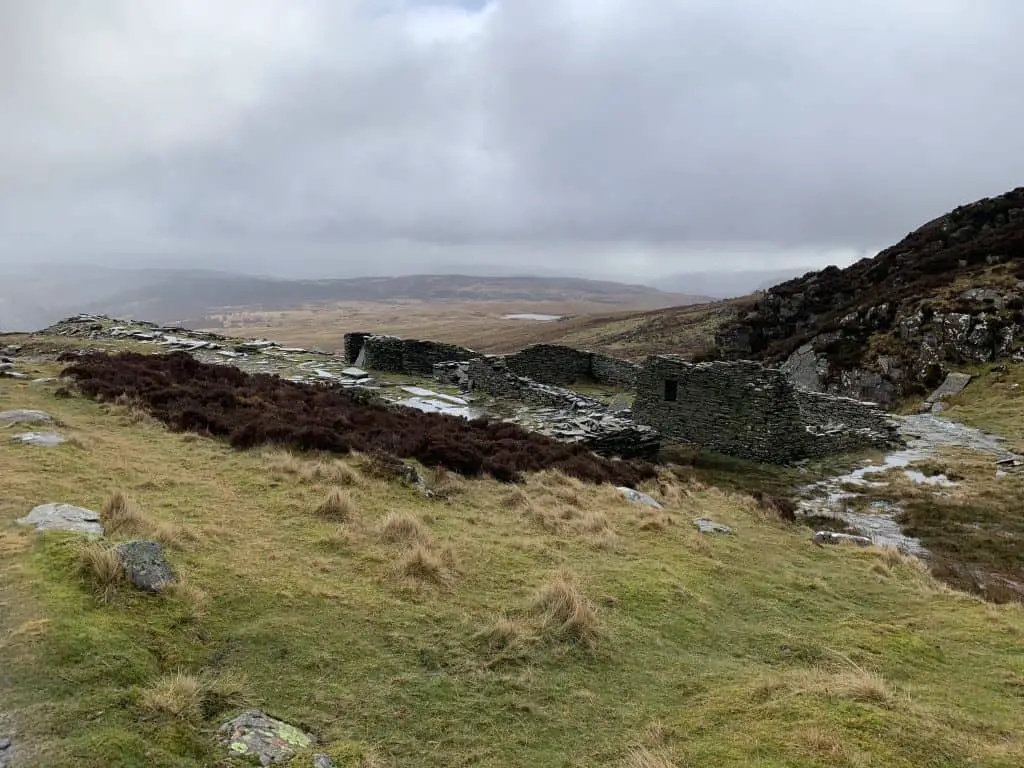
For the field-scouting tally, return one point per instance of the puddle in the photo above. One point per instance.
(924, 435)
(532, 316)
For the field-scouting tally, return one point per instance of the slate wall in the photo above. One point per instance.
(743, 409)
(353, 345)
(411, 356)
(493, 375)
(562, 366)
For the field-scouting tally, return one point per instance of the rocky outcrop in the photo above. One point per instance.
(746, 410)
(898, 323)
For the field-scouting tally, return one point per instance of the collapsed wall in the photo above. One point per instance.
(397, 355)
(562, 366)
(745, 410)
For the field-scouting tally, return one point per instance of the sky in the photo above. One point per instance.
(606, 138)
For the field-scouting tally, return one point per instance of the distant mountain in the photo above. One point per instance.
(731, 284)
(33, 298)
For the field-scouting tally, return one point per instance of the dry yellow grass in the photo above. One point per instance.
(337, 506)
(647, 758)
(100, 565)
(122, 517)
(179, 695)
(439, 483)
(564, 611)
(401, 527)
(504, 633)
(421, 564)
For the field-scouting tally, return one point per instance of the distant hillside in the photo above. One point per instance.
(34, 298)
(949, 294)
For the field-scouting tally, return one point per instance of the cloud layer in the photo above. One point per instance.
(604, 135)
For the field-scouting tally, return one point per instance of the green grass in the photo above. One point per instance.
(993, 401)
(753, 650)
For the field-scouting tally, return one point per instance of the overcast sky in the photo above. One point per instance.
(616, 138)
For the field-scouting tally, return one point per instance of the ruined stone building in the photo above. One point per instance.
(743, 409)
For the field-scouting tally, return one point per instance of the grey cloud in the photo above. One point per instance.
(591, 135)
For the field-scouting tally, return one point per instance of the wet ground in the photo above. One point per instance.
(925, 435)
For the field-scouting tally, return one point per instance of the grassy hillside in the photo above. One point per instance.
(408, 631)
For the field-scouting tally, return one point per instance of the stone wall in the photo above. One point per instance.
(494, 376)
(562, 366)
(412, 356)
(743, 409)
(353, 345)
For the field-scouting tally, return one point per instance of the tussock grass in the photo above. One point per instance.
(504, 633)
(516, 498)
(564, 611)
(122, 517)
(648, 758)
(439, 483)
(191, 595)
(403, 528)
(421, 564)
(193, 697)
(100, 565)
(338, 506)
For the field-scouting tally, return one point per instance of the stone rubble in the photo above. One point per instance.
(271, 741)
(63, 517)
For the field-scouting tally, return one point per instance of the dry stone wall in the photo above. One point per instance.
(397, 355)
(561, 366)
(743, 409)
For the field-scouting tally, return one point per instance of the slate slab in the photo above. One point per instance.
(271, 741)
(145, 565)
(954, 384)
(638, 498)
(710, 526)
(63, 517)
(44, 439)
(10, 418)
(829, 537)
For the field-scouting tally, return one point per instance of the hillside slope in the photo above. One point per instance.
(548, 624)
(949, 294)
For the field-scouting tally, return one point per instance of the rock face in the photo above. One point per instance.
(272, 742)
(894, 324)
(144, 565)
(63, 517)
(743, 409)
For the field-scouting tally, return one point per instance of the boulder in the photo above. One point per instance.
(322, 761)
(638, 498)
(144, 565)
(954, 384)
(710, 526)
(63, 517)
(271, 741)
(45, 439)
(9, 418)
(830, 537)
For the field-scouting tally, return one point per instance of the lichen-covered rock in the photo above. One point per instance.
(710, 526)
(145, 565)
(830, 537)
(322, 761)
(45, 439)
(638, 498)
(9, 418)
(271, 741)
(63, 517)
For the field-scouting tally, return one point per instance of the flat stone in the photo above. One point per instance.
(5, 744)
(45, 380)
(322, 761)
(638, 498)
(830, 537)
(355, 373)
(63, 517)
(144, 565)
(710, 526)
(10, 418)
(45, 439)
(271, 741)
(954, 384)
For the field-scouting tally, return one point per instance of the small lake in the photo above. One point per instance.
(532, 316)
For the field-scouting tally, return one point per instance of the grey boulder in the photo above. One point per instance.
(63, 517)
(322, 761)
(710, 526)
(9, 418)
(46, 439)
(271, 741)
(144, 565)
(638, 498)
(829, 537)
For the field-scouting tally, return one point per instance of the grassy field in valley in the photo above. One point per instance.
(405, 631)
